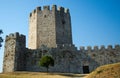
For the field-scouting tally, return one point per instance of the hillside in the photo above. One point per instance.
(106, 71)
(40, 75)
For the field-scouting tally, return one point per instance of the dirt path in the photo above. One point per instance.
(72, 75)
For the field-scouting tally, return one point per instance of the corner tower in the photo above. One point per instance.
(14, 55)
(49, 27)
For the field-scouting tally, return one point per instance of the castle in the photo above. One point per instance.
(50, 33)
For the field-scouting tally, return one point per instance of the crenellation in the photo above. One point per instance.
(61, 9)
(11, 35)
(109, 47)
(58, 8)
(117, 47)
(15, 36)
(59, 46)
(82, 48)
(62, 46)
(89, 48)
(54, 7)
(22, 36)
(66, 10)
(46, 7)
(102, 47)
(33, 12)
(38, 8)
(96, 48)
(67, 45)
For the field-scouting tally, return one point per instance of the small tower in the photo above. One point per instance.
(14, 55)
(49, 27)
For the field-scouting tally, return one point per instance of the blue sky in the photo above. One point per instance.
(94, 22)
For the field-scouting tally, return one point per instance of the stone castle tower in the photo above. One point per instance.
(14, 52)
(50, 33)
(49, 27)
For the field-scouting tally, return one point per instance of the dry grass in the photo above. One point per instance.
(106, 71)
(39, 75)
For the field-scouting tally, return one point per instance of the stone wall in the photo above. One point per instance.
(49, 27)
(63, 26)
(66, 56)
(70, 60)
(103, 55)
(32, 37)
(14, 53)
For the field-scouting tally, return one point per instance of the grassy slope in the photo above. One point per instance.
(38, 75)
(106, 71)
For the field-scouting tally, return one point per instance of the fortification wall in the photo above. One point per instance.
(13, 55)
(66, 56)
(97, 48)
(102, 55)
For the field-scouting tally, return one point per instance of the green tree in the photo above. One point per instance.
(1, 39)
(46, 61)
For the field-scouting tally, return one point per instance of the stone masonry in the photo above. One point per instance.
(49, 27)
(50, 33)
(14, 52)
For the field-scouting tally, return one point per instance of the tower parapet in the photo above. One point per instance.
(66, 46)
(89, 48)
(102, 48)
(46, 7)
(109, 47)
(117, 46)
(54, 8)
(16, 36)
(96, 48)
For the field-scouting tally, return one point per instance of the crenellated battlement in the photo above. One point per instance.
(66, 46)
(15, 36)
(102, 47)
(54, 8)
(63, 45)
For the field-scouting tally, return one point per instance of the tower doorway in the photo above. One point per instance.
(85, 69)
